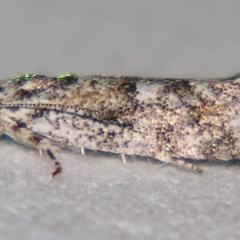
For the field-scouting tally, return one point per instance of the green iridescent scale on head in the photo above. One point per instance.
(67, 78)
(26, 77)
(30, 75)
(64, 75)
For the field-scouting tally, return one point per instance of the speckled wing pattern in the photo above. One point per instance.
(171, 120)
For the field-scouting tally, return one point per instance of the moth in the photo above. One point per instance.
(172, 120)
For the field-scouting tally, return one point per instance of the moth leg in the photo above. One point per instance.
(123, 158)
(186, 164)
(83, 151)
(2, 130)
(35, 140)
(52, 157)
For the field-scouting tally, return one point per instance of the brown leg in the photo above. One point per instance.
(185, 164)
(35, 140)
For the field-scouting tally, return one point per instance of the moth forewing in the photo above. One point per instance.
(172, 120)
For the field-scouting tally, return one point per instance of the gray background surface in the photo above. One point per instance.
(97, 197)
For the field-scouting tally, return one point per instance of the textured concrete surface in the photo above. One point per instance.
(97, 197)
